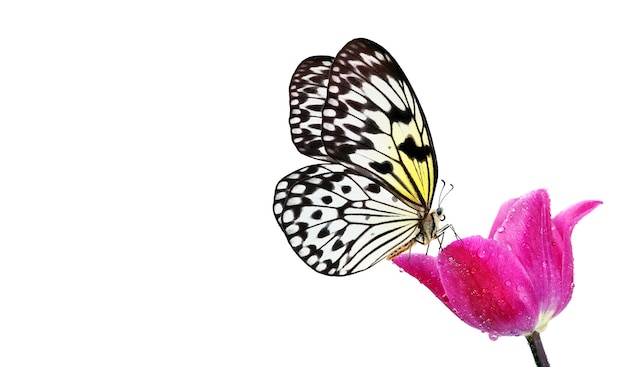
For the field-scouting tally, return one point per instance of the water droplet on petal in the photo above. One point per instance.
(493, 337)
(500, 230)
(508, 283)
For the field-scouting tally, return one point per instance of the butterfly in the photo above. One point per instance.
(370, 198)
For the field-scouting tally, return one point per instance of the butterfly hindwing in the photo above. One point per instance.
(373, 122)
(285, 185)
(340, 222)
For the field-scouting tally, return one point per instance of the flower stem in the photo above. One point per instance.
(534, 342)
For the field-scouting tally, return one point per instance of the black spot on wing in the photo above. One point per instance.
(374, 188)
(342, 152)
(323, 233)
(409, 148)
(338, 245)
(396, 114)
(382, 167)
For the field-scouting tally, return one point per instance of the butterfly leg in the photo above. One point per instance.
(441, 233)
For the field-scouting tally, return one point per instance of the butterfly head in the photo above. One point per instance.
(438, 214)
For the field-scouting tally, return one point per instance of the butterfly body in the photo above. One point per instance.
(428, 230)
(372, 198)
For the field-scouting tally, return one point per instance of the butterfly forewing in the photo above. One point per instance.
(373, 123)
(307, 94)
(340, 222)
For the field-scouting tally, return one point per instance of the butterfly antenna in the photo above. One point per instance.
(443, 196)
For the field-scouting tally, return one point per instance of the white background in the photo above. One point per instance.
(140, 142)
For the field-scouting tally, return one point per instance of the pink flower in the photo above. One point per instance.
(513, 282)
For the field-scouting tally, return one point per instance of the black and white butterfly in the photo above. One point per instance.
(371, 198)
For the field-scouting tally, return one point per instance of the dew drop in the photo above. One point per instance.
(493, 337)
(500, 229)
(508, 283)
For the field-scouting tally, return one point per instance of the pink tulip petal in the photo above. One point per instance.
(526, 231)
(424, 269)
(564, 224)
(487, 287)
(502, 213)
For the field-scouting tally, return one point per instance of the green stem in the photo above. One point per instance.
(534, 342)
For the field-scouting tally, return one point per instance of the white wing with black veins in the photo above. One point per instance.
(339, 222)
